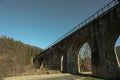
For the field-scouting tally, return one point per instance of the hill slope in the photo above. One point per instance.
(15, 55)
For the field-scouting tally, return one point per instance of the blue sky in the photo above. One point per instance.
(41, 22)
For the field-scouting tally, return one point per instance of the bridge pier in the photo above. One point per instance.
(104, 63)
(104, 60)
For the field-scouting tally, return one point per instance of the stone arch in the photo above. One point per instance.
(38, 61)
(72, 55)
(117, 51)
(84, 58)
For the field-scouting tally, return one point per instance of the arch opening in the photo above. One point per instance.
(84, 59)
(117, 51)
(61, 69)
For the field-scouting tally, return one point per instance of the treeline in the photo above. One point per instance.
(15, 55)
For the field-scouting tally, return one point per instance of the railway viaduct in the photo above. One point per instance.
(100, 31)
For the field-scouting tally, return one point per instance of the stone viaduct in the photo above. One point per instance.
(100, 33)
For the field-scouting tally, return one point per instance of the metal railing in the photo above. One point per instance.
(92, 17)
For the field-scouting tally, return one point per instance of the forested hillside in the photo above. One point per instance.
(15, 55)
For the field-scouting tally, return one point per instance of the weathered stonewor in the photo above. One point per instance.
(101, 34)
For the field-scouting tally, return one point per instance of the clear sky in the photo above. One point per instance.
(41, 22)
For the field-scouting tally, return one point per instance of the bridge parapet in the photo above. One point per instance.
(86, 21)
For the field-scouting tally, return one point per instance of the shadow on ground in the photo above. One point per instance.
(90, 75)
